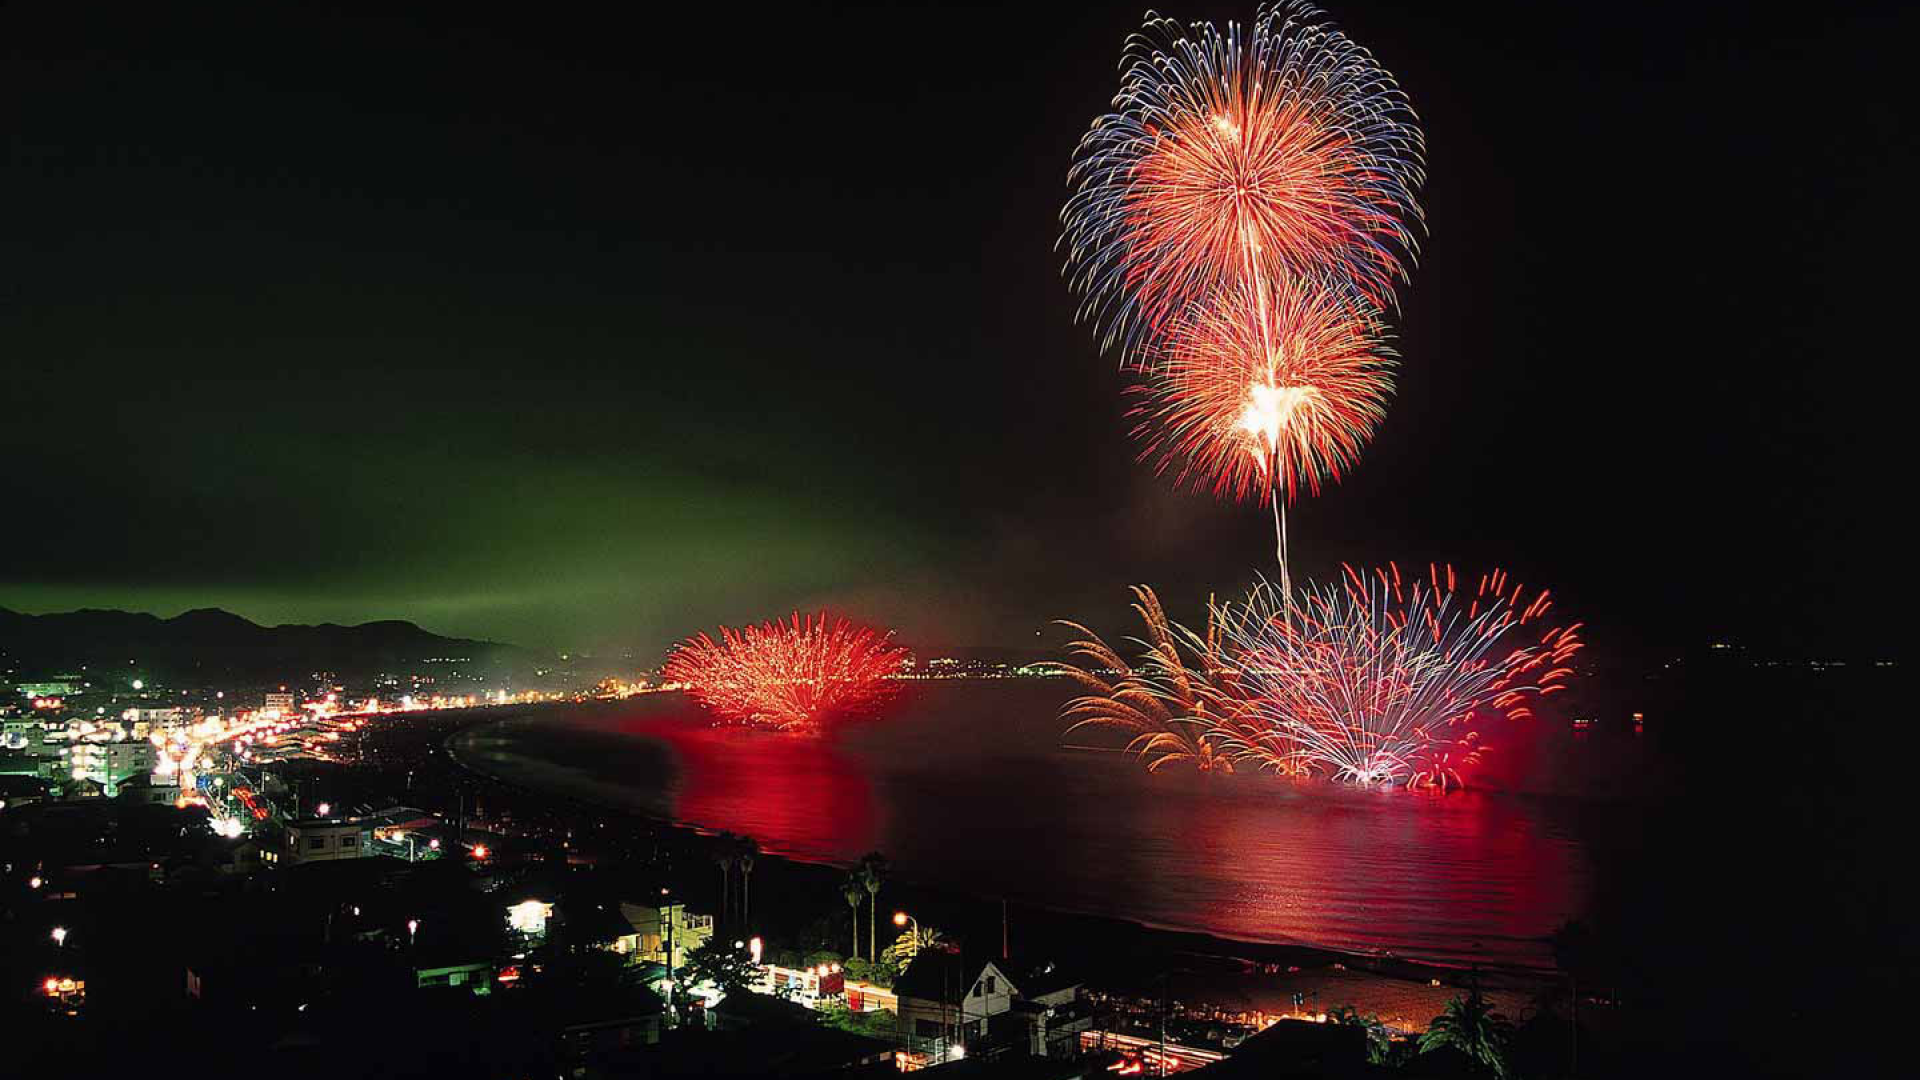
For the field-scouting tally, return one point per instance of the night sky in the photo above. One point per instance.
(572, 332)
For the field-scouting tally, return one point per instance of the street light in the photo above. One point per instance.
(413, 927)
(60, 935)
(901, 918)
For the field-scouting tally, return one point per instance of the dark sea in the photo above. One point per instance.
(966, 785)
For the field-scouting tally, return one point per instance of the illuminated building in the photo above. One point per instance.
(315, 840)
(155, 718)
(530, 917)
(945, 1002)
(656, 925)
(474, 975)
(110, 764)
(63, 686)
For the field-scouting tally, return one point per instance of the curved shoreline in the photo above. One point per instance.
(1171, 940)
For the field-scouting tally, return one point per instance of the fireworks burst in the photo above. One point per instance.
(1384, 679)
(1380, 680)
(1167, 704)
(1262, 395)
(1236, 159)
(791, 675)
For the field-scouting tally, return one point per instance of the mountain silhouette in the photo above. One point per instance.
(208, 644)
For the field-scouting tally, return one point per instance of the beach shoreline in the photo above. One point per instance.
(1118, 955)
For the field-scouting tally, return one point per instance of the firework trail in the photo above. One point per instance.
(1240, 159)
(1384, 679)
(792, 675)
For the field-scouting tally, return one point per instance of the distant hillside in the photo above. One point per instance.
(209, 644)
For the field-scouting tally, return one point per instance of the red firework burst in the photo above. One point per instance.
(1385, 679)
(792, 675)
(1241, 156)
(1266, 390)
(1256, 187)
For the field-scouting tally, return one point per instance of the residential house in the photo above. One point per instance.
(658, 926)
(951, 999)
(327, 840)
(1049, 1014)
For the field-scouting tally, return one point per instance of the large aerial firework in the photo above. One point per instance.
(1261, 395)
(793, 675)
(1240, 159)
(1379, 680)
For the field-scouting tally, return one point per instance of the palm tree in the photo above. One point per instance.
(854, 891)
(1379, 1043)
(872, 871)
(745, 854)
(911, 943)
(1470, 1026)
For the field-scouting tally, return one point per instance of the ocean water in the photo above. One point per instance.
(966, 785)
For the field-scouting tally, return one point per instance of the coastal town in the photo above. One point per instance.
(301, 862)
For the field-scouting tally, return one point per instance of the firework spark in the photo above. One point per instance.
(1167, 704)
(1260, 396)
(1385, 679)
(1238, 159)
(792, 675)
(1379, 680)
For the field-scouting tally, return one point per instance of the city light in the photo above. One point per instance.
(529, 916)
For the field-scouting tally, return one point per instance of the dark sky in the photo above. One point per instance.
(566, 331)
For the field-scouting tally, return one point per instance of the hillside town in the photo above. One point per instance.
(272, 876)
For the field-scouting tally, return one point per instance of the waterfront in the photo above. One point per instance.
(967, 788)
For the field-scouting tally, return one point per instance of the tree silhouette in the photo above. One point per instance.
(854, 891)
(718, 962)
(871, 872)
(1471, 1026)
(1379, 1042)
(747, 851)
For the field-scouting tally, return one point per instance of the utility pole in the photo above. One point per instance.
(667, 914)
(1574, 1026)
(1166, 992)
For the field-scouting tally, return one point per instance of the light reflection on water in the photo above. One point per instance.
(965, 786)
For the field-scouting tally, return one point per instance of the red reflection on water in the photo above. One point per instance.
(796, 794)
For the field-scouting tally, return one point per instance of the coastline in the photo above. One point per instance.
(1122, 956)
